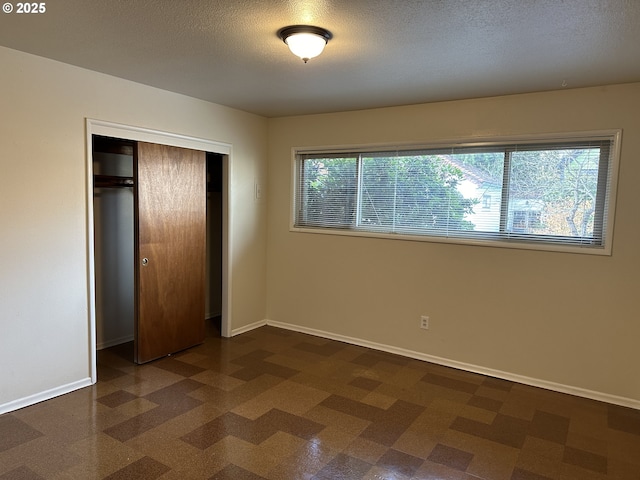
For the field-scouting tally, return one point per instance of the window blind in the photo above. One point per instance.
(546, 192)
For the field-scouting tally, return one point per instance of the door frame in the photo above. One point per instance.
(128, 132)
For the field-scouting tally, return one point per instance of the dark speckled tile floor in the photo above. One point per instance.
(274, 404)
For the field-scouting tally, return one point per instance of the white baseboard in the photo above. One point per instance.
(534, 382)
(114, 341)
(42, 396)
(247, 328)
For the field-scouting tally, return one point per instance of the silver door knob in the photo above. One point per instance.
(145, 261)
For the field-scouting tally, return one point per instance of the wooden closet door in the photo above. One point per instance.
(170, 249)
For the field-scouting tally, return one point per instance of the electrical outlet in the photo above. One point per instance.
(424, 322)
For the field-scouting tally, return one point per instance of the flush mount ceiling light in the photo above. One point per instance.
(305, 41)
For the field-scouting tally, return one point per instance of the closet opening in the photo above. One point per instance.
(215, 204)
(121, 258)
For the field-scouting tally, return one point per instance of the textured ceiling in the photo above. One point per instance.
(384, 52)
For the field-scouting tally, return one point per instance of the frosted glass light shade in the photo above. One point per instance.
(305, 41)
(306, 45)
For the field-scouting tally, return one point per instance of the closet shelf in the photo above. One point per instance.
(102, 181)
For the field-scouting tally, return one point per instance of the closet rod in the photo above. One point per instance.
(102, 181)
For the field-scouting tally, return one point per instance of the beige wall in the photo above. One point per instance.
(568, 319)
(44, 320)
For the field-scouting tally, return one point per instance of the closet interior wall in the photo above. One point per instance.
(113, 210)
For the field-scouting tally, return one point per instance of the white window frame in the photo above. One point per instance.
(615, 136)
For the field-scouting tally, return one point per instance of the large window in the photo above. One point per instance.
(542, 193)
